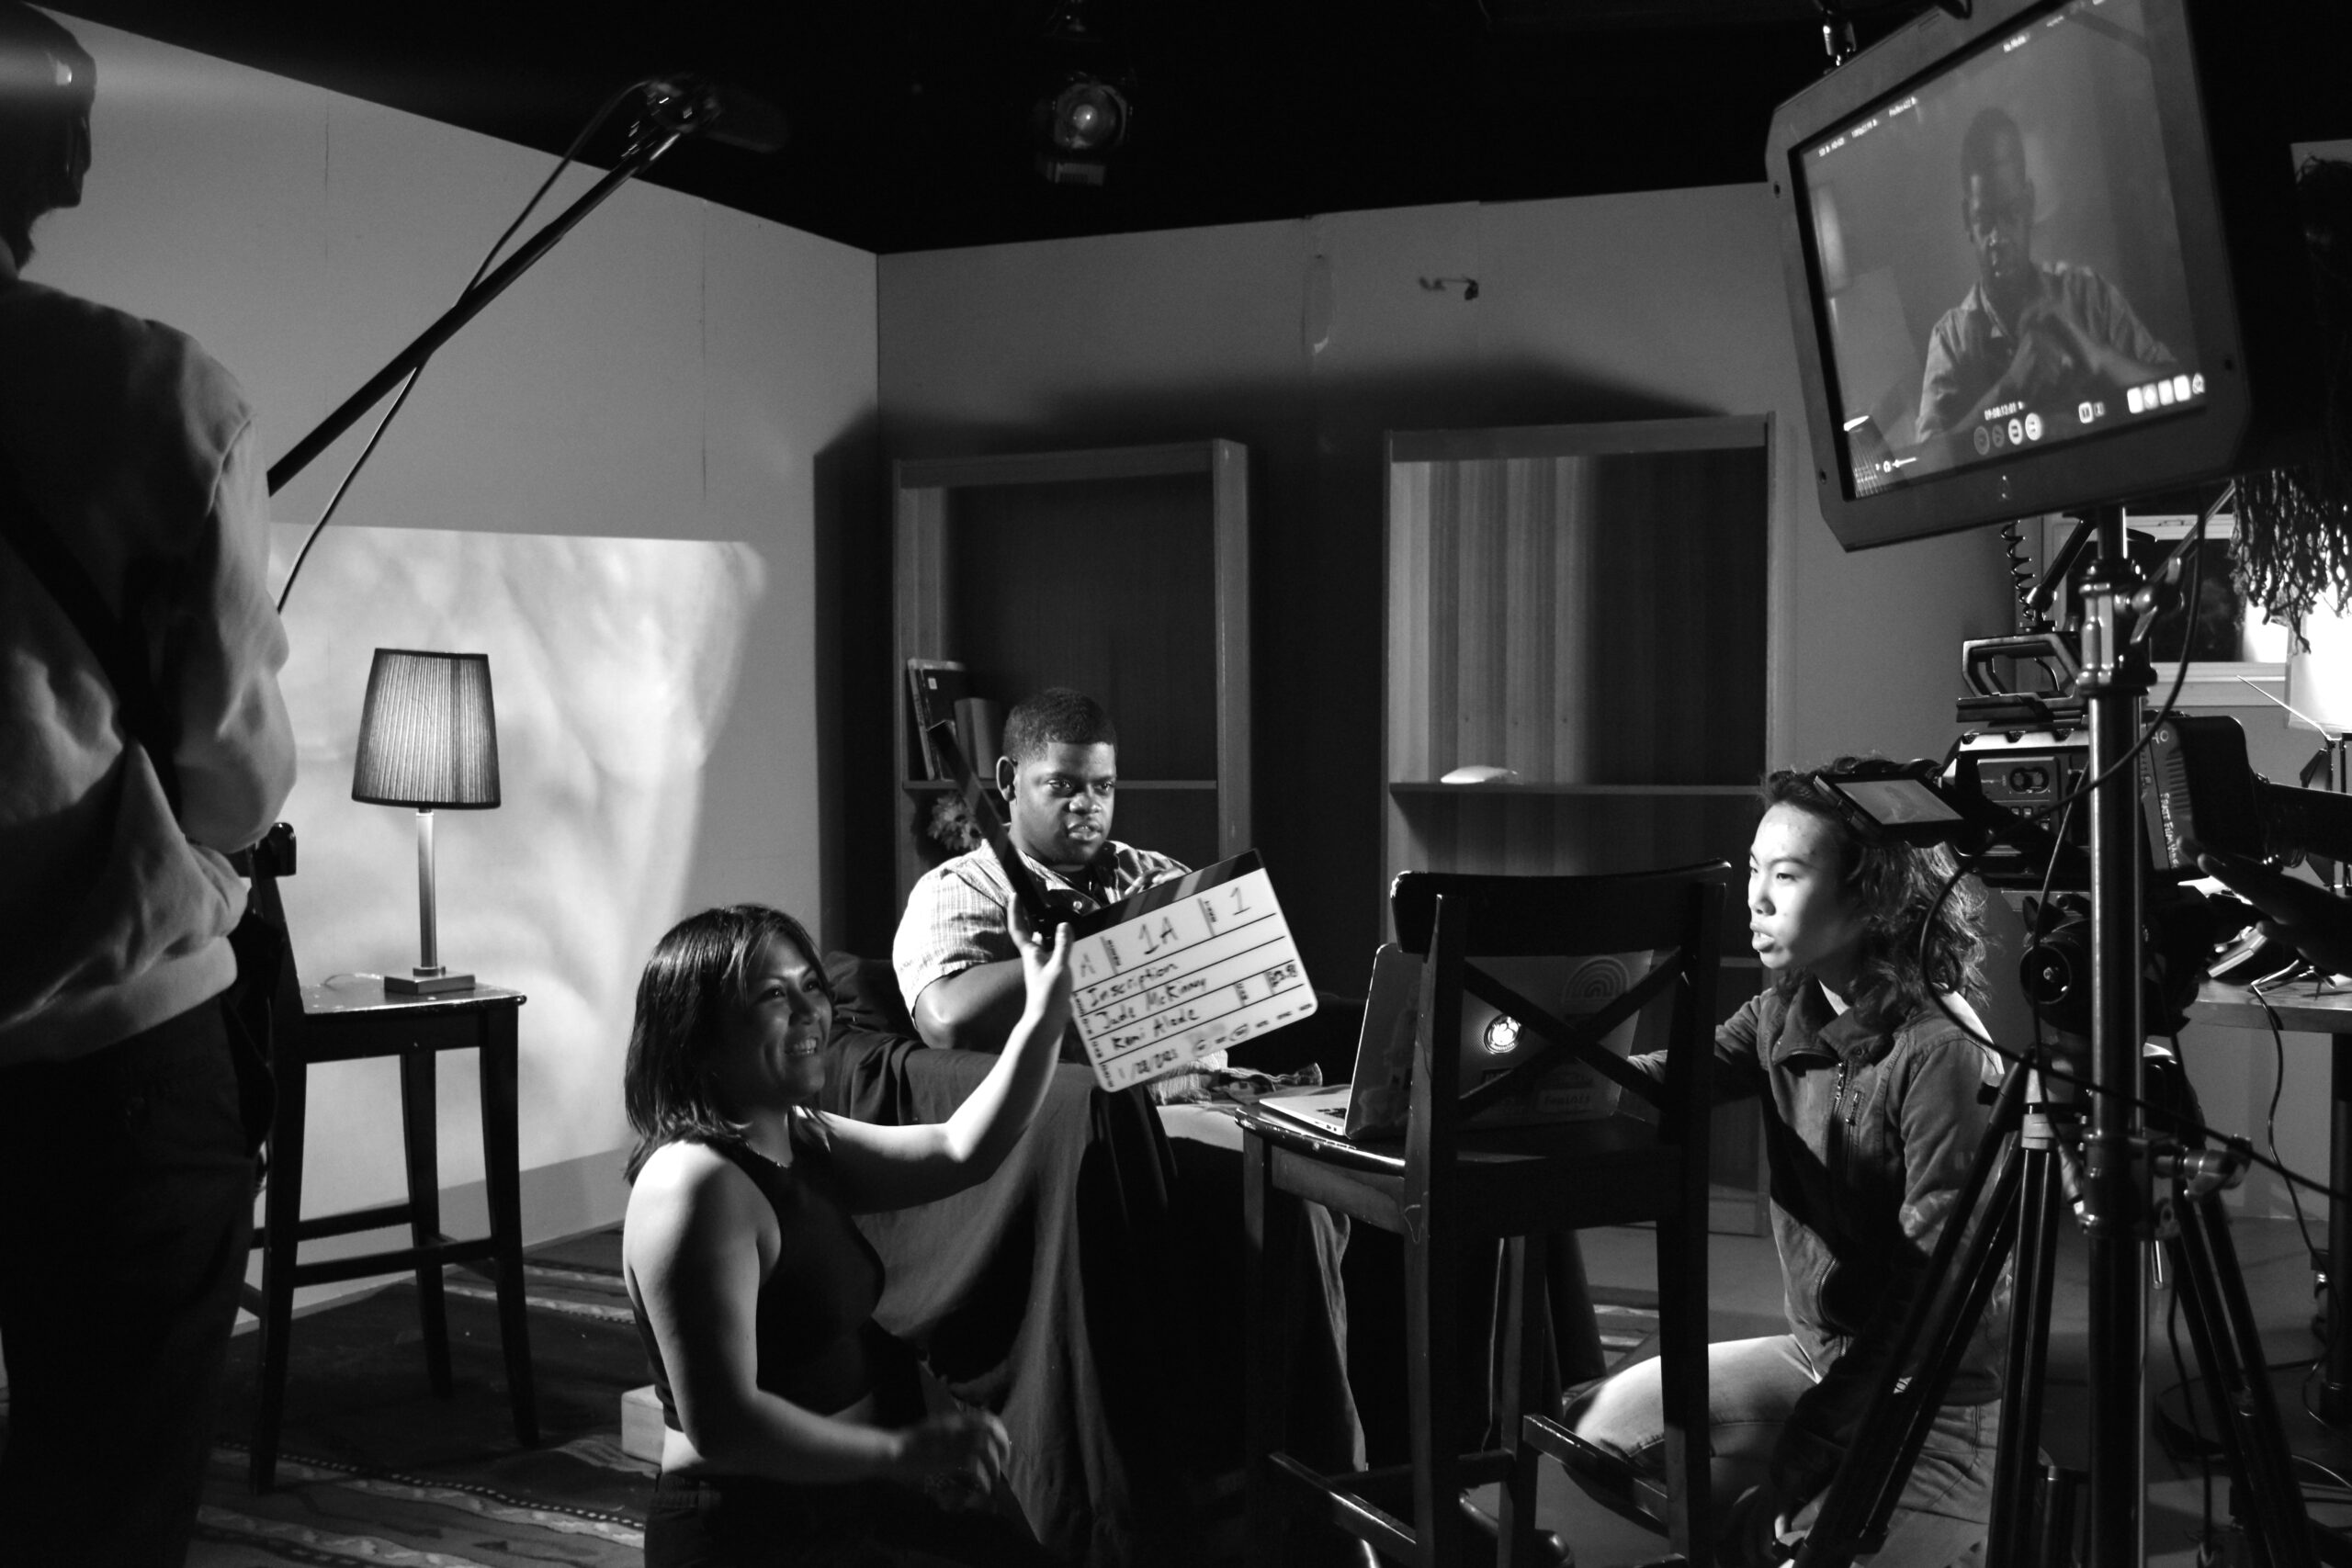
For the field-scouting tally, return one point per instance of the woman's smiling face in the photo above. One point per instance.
(771, 1049)
(1800, 917)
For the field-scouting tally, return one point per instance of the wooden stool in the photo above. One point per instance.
(352, 1022)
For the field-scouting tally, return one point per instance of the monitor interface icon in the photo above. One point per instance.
(1998, 256)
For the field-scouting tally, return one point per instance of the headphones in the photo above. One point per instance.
(46, 84)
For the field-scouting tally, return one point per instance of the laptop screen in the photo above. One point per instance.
(1492, 1043)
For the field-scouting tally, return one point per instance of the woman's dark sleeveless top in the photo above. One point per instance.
(819, 1345)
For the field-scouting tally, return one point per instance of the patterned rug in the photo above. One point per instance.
(374, 1470)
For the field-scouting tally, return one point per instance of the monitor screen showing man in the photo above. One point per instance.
(2000, 252)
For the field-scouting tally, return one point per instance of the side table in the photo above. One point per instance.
(350, 1022)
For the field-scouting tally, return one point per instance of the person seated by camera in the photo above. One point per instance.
(1873, 1093)
(792, 1424)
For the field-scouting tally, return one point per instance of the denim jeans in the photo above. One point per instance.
(1752, 1384)
(125, 1211)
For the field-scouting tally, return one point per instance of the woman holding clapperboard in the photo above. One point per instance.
(793, 1428)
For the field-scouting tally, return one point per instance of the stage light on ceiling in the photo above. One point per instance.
(1079, 128)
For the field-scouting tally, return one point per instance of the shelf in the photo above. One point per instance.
(1144, 554)
(1402, 788)
(1126, 786)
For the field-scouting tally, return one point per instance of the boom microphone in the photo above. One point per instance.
(698, 105)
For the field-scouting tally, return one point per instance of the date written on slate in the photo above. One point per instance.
(1189, 968)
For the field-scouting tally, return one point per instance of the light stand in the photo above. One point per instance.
(2139, 1190)
(2115, 677)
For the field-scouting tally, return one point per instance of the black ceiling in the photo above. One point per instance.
(911, 118)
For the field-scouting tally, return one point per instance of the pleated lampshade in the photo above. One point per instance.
(428, 734)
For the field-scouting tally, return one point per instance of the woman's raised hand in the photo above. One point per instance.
(1045, 969)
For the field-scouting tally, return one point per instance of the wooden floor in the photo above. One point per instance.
(1744, 1292)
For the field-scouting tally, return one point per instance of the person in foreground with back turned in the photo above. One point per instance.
(133, 766)
(793, 1431)
(1873, 1112)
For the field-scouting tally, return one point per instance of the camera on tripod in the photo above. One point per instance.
(2015, 796)
(2027, 752)
(2005, 798)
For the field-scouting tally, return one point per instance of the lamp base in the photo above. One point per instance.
(426, 982)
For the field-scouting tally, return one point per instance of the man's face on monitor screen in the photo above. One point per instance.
(1998, 210)
(1060, 802)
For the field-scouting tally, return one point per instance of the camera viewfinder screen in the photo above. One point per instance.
(2000, 256)
(1895, 803)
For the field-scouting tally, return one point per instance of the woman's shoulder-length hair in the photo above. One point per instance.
(700, 972)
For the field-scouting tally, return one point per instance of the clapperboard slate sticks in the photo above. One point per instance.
(1183, 969)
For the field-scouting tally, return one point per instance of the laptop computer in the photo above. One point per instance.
(1374, 1104)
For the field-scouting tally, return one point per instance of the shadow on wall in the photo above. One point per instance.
(1318, 491)
(613, 664)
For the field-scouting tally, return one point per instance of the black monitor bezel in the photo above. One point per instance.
(2133, 459)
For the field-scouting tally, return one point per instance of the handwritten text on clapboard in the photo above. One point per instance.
(1212, 965)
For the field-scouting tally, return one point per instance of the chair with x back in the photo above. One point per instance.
(1458, 1183)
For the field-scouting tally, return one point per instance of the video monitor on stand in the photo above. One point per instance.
(2036, 259)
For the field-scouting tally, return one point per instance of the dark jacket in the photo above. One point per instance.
(1870, 1129)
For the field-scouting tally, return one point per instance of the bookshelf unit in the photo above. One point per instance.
(1122, 571)
(1586, 606)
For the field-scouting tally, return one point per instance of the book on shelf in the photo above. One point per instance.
(979, 727)
(933, 687)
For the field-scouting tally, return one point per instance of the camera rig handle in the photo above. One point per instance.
(1994, 704)
(2047, 649)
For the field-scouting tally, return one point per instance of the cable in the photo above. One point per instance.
(595, 123)
(2013, 553)
(2270, 1121)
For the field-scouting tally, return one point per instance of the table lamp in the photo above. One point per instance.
(428, 739)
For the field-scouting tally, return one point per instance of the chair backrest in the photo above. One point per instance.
(1456, 919)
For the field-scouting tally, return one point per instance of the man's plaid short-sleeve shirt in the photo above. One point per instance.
(955, 914)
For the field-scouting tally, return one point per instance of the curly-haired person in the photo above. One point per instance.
(1873, 1110)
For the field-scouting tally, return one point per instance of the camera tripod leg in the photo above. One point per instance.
(2024, 1517)
(2229, 1350)
(1960, 1281)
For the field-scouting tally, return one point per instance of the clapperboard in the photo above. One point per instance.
(1184, 968)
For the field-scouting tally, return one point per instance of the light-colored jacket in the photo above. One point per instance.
(137, 450)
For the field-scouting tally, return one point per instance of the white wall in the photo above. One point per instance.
(1656, 300)
(672, 371)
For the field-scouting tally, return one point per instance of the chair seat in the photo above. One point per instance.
(1614, 1170)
